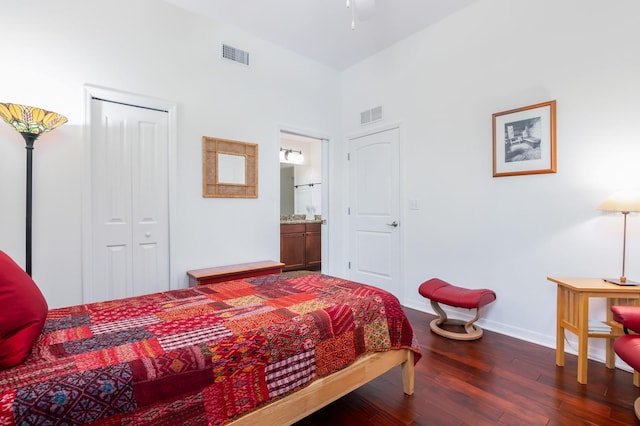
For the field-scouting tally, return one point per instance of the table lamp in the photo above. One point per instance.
(30, 122)
(623, 202)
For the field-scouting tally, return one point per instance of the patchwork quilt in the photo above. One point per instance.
(199, 355)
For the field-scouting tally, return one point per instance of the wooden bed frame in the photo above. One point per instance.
(325, 390)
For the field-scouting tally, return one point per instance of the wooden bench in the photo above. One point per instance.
(219, 274)
(439, 291)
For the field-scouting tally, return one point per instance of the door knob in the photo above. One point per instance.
(394, 224)
(147, 234)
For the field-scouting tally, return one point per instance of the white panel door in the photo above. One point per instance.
(130, 187)
(374, 237)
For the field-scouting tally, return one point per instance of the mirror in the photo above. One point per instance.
(230, 168)
(286, 189)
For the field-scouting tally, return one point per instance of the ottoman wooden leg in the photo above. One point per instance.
(472, 331)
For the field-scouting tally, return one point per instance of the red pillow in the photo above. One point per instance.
(23, 311)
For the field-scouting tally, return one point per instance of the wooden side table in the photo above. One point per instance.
(573, 315)
(219, 274)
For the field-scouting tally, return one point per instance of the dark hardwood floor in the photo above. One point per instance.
(494, 380)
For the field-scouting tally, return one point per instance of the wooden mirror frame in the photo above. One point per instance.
(211, 186)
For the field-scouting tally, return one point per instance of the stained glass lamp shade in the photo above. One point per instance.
(27, 119)
(30, 122)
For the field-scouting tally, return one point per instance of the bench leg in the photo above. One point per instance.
(472, 331)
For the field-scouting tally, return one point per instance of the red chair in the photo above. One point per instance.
(628, 346)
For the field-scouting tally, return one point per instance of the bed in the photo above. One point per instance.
(267, 350)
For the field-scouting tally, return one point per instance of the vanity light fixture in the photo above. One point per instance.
(291, 156)
(30, 122)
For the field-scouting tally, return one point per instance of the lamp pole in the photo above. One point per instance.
(30, 140)
(623, 278)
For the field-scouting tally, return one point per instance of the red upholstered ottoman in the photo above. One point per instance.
(439, 291)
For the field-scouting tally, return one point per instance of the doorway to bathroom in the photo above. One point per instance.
(303, 202)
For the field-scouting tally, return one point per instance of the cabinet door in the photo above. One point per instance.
(292, 250)
(313, 250)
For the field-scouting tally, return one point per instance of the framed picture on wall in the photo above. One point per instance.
(524, 140)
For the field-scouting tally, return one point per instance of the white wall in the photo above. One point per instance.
(150, 48)
(510, 233)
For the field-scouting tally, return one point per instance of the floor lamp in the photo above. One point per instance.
(623, 202)
(30, 122)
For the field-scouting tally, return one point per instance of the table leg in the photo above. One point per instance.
(583, 337)
(559, 329)
(610, 360)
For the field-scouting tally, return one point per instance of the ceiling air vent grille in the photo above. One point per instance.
(371, 115)
(236, 55)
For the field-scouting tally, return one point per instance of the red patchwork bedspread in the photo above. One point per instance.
(199, 355)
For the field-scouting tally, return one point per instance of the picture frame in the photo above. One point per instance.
(524, 140)
(229, 168)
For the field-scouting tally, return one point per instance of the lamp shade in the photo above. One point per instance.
(28, 119)
(622, 201)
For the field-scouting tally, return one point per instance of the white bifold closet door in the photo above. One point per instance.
(129, 201)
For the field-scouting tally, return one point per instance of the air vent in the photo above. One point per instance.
(371, 115)
(236, 55)
(376, 113)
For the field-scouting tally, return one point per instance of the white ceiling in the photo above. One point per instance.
(321, 29)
